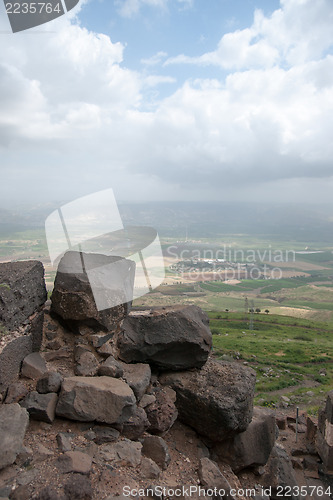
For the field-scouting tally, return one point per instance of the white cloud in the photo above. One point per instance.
(155, 59)
(300, 31)
(73, 118)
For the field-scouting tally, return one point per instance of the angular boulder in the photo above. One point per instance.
(87, 365)
(13, 424)
(324, 436)
(155, 447)
(169, 338)
(125, 453)
(40, 406)
(217, 401)
(136, 425)
(111, 368)
(279, 473)
(22, 295)
(82, 281)
(211, 477)
(11, 359)
(33, 366)
(137, 377)
(50, 382)
(253, 446)
(103, 399)
(22, 292)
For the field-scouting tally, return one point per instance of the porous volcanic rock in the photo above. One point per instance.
(22, 291)
(279, 473)
(103, 399)
(73, 299)
(22, 295)
(169, 338)
(253, 446)
(162, 413)
(324, 436)
(13, 424)
(217, 401)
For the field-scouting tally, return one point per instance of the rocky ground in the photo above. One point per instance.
(116, 404)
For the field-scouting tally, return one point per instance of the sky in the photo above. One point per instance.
(197, 100)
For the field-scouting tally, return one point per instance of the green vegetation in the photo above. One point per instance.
(292, 357)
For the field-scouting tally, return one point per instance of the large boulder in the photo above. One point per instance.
(217, 401)
(22, 292)
(253, 446)
(169, 338)
(22, 295)
(85, 287)
(279, 475)
(324, 437)
(103, 399)
(13, 424)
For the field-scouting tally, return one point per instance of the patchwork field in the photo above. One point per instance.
(293, 358)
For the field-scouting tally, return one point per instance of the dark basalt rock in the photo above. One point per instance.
(169, 338)
(73, 298)
(22, 292)
(217, 401)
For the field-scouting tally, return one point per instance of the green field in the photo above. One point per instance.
(292, 357)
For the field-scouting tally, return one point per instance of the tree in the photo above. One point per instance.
(266, 311)
(258, 310)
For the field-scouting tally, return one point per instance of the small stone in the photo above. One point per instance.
(105, 434)
(57, 355)
(75, 461)
(138, 377)
(54, 345)
(42, 453)
(33, 366)
(64, 440)
(98, 340)
(87, 365)
(78, 487)
(149, 469)
(24, 457)
(41, 406)
(105, 350)
(124, 453)
(16, 392)
(90, 435)
(50, 382)
(155, 447)
(147, 399)
(111, 368)
(80, 349)
(136, 425)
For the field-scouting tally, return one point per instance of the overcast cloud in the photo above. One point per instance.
(74, 118)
